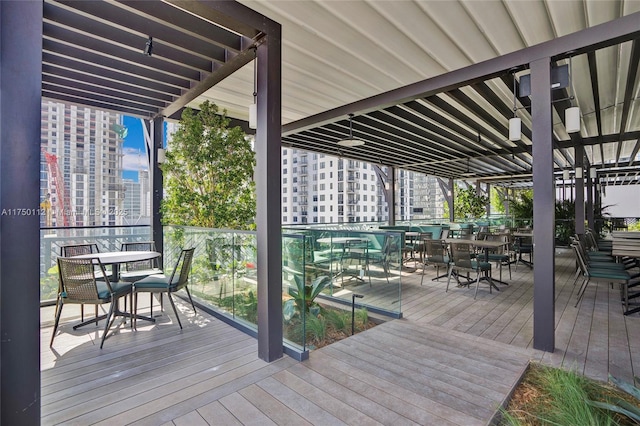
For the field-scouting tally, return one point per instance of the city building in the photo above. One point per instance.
(81, 166)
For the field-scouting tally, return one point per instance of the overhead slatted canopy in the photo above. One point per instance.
(93, 54)
(343, 57)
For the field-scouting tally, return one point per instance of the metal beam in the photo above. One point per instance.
(268, 217)
(628, 92)
(596, 37)
(20, 123)
(156, 130)
(543, 207)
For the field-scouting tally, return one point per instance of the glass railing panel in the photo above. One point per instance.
(295, 308)
(367, 263)
(107, 239)
(223, 274)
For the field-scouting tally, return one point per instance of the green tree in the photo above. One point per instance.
(208, 173)
(469, 204)
(521, 206)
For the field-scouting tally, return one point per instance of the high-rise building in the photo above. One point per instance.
(81, 173)
(137, 200)
(318, 188)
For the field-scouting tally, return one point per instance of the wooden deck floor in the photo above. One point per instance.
(451, 360)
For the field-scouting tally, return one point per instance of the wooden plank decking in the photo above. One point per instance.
(451, 360)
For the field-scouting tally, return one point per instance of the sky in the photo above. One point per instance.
(135, 157)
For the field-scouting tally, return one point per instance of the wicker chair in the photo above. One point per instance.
(134, 271)
(161, 283)
(78, 285)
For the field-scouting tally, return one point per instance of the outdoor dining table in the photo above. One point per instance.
(115, 258)
(486, 246)
(625, 243)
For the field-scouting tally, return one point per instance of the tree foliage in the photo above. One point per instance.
(521, 206)
(208, 173)
(469, 204)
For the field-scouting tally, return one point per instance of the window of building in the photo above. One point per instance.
(322, 209)
(284, 219)
(331, 185)
(364, 186)
(284, 199)
(284, 209)
(322, 187)
(364, 197)
(284, 161)
(322, 164)
(330, 175)
(284, 180)
(295, 218)
(295, 199)
(284, 190)
(321, 176)
(322, 197)
(284, 171)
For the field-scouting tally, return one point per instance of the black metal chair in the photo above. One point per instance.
(461, 262)
(161, 283)
(435, 255)
(78, 285)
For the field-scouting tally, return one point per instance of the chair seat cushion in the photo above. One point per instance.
(483, 266)
(119, 288)
(158, 281)
(609, 274)
(138, 275)
(437, 260)
(607, 265)
(498, 257)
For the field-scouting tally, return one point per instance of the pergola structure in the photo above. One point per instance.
(90, 53)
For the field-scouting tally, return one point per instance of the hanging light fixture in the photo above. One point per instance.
(148, 47)
(571, 114)
(351, 141)
(593, 173)
(566, 174)
(579, 173)
(515, 123)
(253, 108)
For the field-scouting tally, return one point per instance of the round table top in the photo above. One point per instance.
(121, 256)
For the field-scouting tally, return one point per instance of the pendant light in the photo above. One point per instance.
(253, 108)
(571, 114)
(351, 141)
(515, 123)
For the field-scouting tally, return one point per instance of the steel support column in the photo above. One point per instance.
(157, 135)
(391, 200)
(268, 216)
(590, 205)
(20, 106)
(579, 191)
(451, 201)
(543, 207)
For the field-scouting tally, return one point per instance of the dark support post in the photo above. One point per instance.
(391, 200)
(450, 199)
(590, 205)
(488, 193)
(157, 182)
(543, 207)
(268, 217)
(579, 194)
(20, 106)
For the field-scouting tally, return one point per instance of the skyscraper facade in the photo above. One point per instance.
(81, 166)
(318, 188)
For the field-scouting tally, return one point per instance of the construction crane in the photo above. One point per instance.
(55, 185)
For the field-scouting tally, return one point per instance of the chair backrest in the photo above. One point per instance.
(180, 274)
(580, 259)
(497, 237)
(78, 280)
(78, 249)
(141, 265)
(461, 255)
(436, 251)
(356, 249)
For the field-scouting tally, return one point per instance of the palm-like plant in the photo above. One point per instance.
(304, 295)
